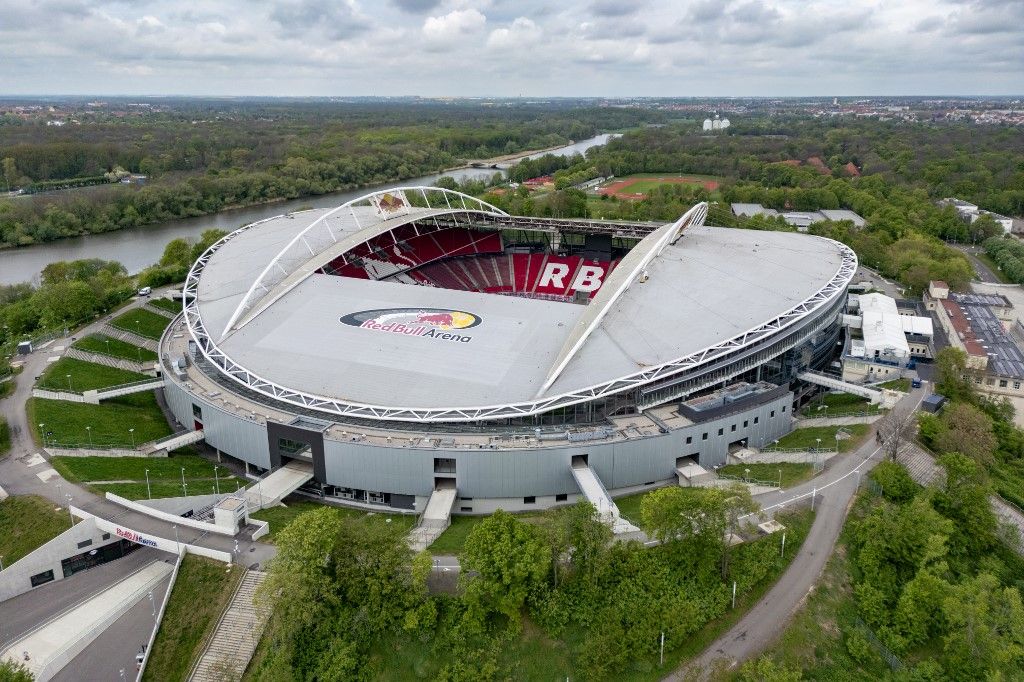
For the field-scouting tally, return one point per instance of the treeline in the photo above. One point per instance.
(350, 601)
(71, 293)
(259, 154)
(1008, 253)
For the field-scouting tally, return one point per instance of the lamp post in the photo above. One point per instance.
(88, 430)
(70, 515)
(107, 341)
(132, 432)
(819, 444)
(69, 381)
(183, 488)
(149, 493)
(216, 479)
(780, 479)
(42, 432)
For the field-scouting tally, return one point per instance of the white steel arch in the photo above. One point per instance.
(816, 304)
(317, 244)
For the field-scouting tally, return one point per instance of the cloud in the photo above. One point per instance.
(338, 18)
(522, 33)
(616, 8)
(442, 31)
(416, 6)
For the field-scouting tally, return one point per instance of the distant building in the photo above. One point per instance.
(837, 214)
(719, 124)
(751, 210)
(969, 212)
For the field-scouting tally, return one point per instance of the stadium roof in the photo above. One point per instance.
(712, 288)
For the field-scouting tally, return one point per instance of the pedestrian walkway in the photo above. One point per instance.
(269, 491)
(233, 642)
(54, 644)
(109, 360)
(920, 465)
(129, 337)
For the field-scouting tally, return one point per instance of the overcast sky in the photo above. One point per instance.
(512, 47)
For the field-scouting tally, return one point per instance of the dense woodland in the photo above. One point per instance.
(201, 161)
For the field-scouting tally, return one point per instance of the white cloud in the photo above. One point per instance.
(522, 33)
(456, 25)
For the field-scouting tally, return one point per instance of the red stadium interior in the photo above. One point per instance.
(473, 260)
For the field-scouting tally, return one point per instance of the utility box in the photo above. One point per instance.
(24, 348)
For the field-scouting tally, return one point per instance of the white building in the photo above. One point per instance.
(970, 212)
(887, 341)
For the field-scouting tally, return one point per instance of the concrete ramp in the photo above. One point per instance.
(593, 489)
(55, 643)
(270, 490)
(874, 395)
(175, 441)
(126, 389)
(436, 517)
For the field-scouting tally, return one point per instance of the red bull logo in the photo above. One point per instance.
(429, 323)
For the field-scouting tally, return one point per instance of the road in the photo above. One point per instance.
(833, 493)
(114, 650)
(18, 479)
(983, 271)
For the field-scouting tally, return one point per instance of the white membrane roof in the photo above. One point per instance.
(713, 284)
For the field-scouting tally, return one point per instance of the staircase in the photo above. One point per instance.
(160, 311)
(436, 517)
(229, 650)
(129, 337)
(920, 465)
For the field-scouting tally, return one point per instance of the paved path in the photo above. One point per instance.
(19, 479)
(981, 269)
(760, 626)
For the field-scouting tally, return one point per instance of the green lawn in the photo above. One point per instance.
(85, 376)
(839, 403)
(5, 437)
(454, 537)
(27, 522)
(164, 475)
(897, 385)
(805, 438)
(66, 421)
(280, 517)
(99, 343)
(792, 473)
(200, 594)
(143, 322)
(167, 304)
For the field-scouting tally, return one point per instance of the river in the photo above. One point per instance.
(140, 247)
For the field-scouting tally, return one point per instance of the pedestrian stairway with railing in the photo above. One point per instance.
(229, 650)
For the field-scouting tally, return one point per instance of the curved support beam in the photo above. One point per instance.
(628, 271)
(296, 275)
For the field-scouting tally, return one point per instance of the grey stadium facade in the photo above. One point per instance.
(418, 338)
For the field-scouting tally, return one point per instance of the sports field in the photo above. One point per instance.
(637, 186)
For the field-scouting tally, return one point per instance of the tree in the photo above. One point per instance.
(509, 559)
(953, 381)
(895, 481)
(10, 173)
(764, 669)
(964, 498)
(985, 637)
(178, 252)
(967, 430)
(12, 671)
(896, 431)
(581, 532)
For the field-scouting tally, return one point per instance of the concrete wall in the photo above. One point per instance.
(15, 579)
(180, 505)
(170, 518)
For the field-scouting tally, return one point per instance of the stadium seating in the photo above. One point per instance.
(403, 249)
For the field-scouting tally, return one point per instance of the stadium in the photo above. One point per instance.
(420, 348)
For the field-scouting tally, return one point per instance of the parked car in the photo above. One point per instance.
(145, 291)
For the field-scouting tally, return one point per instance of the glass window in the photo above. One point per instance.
(529, 500)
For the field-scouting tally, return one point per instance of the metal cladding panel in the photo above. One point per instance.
(234, 435)
(382, 468)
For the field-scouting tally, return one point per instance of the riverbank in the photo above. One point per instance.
(139, 247)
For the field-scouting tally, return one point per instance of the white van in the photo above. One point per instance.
(145, 291)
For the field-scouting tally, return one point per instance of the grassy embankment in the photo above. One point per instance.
(27, 522)
(99, 343)
(836, 404)
(78, 376)
(142, 322)
(164, 474)
(808, 437)
(792, 473)
(200, 595)
(167, 304)
(109, 421)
